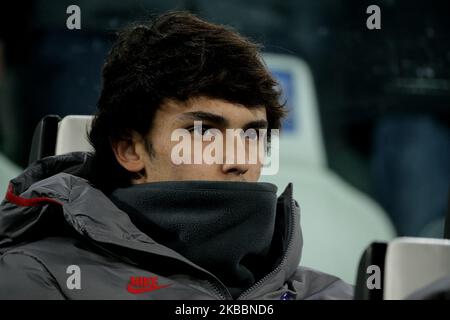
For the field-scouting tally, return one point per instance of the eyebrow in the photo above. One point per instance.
(205, 116)
(257, 124)
(220, 121)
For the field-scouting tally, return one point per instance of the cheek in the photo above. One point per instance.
(163, 146)
(197, 172)
(200, 171)
(254, 173)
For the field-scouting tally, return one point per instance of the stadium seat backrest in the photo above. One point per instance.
(72, 134)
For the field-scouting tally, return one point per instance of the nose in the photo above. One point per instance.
(235, 169)
(236, 162)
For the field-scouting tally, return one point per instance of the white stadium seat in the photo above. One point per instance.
(414, 263)
(72, 134)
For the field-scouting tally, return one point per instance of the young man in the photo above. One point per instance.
(129, 222)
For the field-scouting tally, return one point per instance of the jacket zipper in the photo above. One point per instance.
(220, 291)
(283, 262)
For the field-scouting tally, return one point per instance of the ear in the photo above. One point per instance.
(131, 153)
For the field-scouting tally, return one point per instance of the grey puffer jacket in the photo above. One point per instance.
(51, 220)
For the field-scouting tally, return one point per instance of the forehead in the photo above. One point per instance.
(236, 114)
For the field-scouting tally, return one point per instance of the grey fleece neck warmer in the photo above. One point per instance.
(224, 227)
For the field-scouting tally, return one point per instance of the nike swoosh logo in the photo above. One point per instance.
(138, 290)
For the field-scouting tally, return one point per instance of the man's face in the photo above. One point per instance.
(212, 113)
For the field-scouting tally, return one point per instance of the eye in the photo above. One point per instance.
(201, 130)
(250, 134)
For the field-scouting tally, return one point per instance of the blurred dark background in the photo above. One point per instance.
(384, 95)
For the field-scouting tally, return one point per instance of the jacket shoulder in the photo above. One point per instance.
(312, 284)
(24, 277)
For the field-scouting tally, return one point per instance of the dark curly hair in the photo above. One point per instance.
(175, 56)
